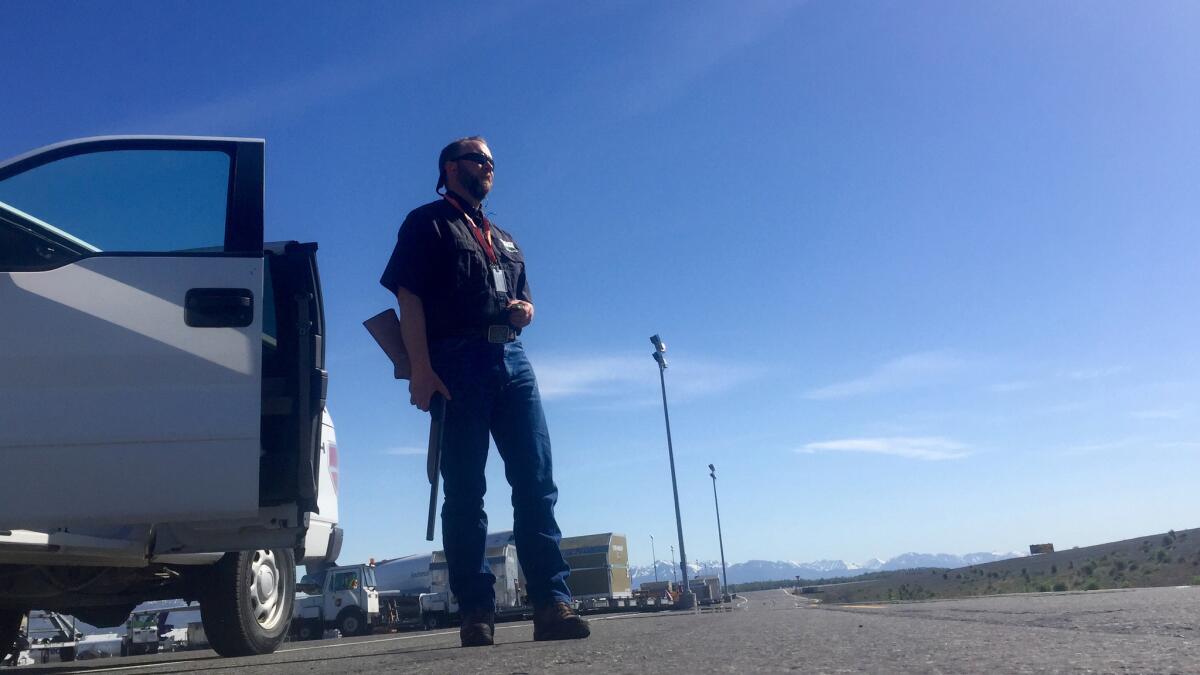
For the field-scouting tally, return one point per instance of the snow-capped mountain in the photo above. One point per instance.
(766, 570)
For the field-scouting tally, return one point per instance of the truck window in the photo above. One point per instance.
(346, 581)
(129, 200)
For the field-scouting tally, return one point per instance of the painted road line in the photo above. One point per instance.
(159, 664)
(366, 642)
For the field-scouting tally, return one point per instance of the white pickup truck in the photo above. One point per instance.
(163, 431)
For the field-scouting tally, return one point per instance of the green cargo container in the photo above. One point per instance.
(599, 566)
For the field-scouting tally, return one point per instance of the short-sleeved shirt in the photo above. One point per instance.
(438, 259)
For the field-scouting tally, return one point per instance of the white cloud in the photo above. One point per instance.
(1163, 414)
(1009, 387)
(561, 377)
(1136, 444)
(905, 372)
(682, 48)
(924, 448)
(1179, 445)
(1095, 373)
(311, 85)
(1104, 446)
(404, 451)
(629, 378)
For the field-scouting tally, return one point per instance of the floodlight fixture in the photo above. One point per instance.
(659, 345)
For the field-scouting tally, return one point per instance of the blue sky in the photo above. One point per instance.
(926, 270)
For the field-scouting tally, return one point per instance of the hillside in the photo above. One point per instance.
(1167, 559)
(754, 571)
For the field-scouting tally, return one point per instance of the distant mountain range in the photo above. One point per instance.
(767, 570)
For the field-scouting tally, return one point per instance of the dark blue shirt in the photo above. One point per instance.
(439, 260)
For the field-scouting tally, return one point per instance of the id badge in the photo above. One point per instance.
(498, 279)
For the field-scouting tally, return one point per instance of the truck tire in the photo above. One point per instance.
(352, 622)
(308, 629)
(247, 605)
(10, 630)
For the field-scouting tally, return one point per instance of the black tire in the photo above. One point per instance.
(308, 630)
(352, 622)
(10, 630)
(247, 605)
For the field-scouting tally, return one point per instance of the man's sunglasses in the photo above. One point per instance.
(479, 158)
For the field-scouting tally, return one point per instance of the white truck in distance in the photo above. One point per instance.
(342, 598)
(164, 432)
(348, 599)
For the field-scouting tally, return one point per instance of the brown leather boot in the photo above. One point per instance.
(559, 622)
(478, 627)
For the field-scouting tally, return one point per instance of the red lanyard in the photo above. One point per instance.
(485, 237)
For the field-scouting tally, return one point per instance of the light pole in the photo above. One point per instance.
(687, 599)
(712, 471)
(654, 559)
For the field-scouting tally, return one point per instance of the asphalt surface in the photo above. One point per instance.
(1129, 631)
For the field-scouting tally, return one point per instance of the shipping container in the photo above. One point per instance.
(599, 566)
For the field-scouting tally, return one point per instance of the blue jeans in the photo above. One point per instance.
(493, 390)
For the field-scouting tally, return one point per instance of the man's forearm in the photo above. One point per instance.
(412, 327)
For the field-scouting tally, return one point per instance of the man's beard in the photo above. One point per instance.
(474, 185)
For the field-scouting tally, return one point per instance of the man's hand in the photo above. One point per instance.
(423, 385)
(520, 313)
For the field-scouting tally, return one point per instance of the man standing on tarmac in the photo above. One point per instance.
(464, 300)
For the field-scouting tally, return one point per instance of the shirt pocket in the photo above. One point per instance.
(469, 267)
(474, 299)
(513, 262)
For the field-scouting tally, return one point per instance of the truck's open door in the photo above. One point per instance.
(131, 280)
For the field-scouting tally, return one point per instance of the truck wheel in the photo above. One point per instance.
(352, 622)
(10, 630)
(247, 605)
(308, 630)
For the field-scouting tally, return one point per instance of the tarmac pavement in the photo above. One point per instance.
(1138, 630)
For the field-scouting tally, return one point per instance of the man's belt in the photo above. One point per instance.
(501, 334)
(496, 334)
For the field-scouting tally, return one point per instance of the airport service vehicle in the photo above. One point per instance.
(349, 599)
(141, 636)
(164, 432)
(339, 597)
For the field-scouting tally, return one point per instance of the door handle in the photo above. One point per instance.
(218, 308)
